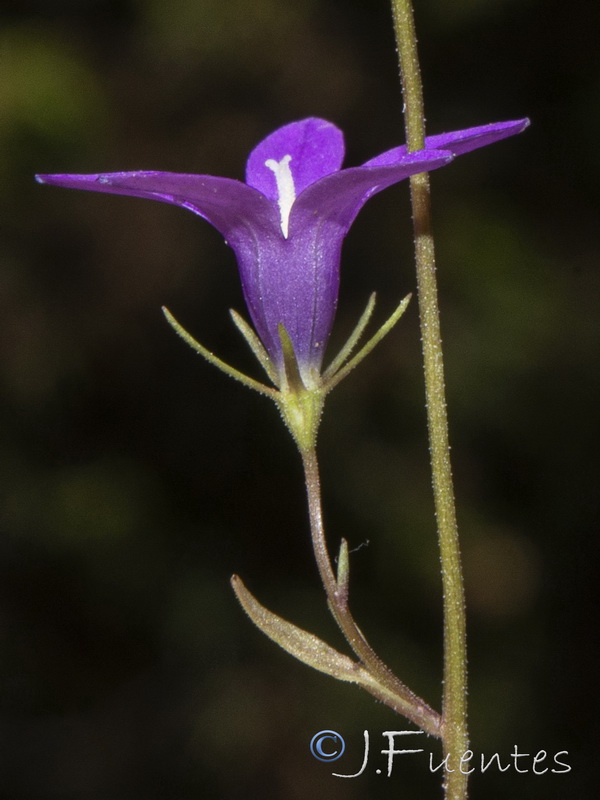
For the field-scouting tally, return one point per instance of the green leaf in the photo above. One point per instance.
(304, 646)
(316, 653)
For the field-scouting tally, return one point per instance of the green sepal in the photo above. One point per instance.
(255, 345)
(366, 348)
(300, 406)
(352, 340)
(290, 362)
(215, 360)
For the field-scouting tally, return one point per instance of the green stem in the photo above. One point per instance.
(454, 712)
(387, 687)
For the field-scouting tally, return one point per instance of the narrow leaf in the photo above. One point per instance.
(314, 652)
(304, 646)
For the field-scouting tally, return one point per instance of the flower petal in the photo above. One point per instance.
(336, 199)
(236, 210)
(296, 281)
(316, 148)
(247, 220)
(457, 142)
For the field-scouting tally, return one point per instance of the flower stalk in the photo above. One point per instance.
(387, 687)
(454, 705)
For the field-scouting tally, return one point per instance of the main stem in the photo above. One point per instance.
(454, 710)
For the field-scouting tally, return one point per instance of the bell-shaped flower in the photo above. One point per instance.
(286, 225)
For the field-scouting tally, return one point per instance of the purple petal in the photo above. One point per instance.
(335, 200)
(236, 210)
(316, 148)
(457, 142)
(243, 215)
(271, 268)
(297, 280)
(303, 295)
(283, 285)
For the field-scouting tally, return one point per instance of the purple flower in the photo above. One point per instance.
(287, 223)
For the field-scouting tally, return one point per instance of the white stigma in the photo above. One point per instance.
(286, 191)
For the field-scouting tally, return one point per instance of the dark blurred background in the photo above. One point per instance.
(135, 479)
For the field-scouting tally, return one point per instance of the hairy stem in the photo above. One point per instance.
(388, 687)
(454, 712)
